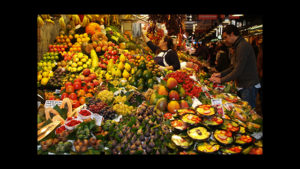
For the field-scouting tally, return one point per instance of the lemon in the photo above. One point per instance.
(49, 68)
(40, 64)
(74, 65)
(69, 69)
(89, 60)
(83, 60)
(76, 36)
(86, 57)
(80, 55)
(39, 77)
(85, 35)
(44, 64)
(48, 63)
(45, 74)
(84, 65)
(50, 74)
(73, 69)
(72, 75)
(79, 68)
(53, 64)
(79, 63)
(76, 59)
(44, 81)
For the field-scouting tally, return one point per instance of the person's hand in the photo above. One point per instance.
(216, 75)
(161, 68)
(215, 79)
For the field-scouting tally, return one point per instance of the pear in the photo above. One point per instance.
(121, 66)
(125, 74)
(127, 67)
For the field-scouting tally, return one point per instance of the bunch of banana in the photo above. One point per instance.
(40, 21)
(49, 21)
(62, 23)
(85, 21)
(76, 19)
(45, 16)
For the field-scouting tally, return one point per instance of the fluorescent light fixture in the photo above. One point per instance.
(237, 15)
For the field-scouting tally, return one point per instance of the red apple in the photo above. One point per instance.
(86, 72)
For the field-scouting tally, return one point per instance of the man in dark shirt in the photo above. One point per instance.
(243, 70)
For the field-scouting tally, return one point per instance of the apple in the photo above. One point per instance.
(86, 72)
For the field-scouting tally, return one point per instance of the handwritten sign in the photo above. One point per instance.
(52, 103)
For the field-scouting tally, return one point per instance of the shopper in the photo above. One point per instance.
(166, 57)
(222, 59)
(203, 51)
(260, 69)
(244, 70)
(212, 54)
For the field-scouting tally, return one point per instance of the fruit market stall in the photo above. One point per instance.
(103, 94)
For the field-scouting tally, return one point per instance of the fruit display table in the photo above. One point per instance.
(103, 94)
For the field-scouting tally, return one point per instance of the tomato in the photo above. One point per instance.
(52, 98)
(81, 93)
(168, 115)
(85, 88)
(77, 80)
(90, 85)
(77, 85)
(70, 89)
(73, 96)
(228, 134)
(82, 100)
(68, 84)
(64, 95)
(75, 103)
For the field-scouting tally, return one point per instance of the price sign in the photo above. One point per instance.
(52, 103)
(218, 104)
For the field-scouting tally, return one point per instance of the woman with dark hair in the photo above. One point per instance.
(166, 55)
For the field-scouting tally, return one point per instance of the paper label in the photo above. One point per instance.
(217, 103)
(57, 91)
(52, 103)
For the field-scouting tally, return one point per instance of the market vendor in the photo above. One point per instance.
(166, 56)
(243, 69)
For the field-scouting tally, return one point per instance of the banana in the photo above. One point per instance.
(89, 17)
(40, 21)
(77, 19)
(85, 21)
(62, 22)
(45, 16)
(49, 21)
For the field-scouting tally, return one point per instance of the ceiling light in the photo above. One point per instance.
(237, 15)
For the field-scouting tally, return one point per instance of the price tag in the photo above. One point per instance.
(52, 103)
(57, 91)
(219, 105)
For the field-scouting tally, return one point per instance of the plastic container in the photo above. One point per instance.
(72, 127)
(84, 117)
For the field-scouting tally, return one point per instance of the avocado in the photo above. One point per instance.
(147, 74)
(139, 74)
(150, 83)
